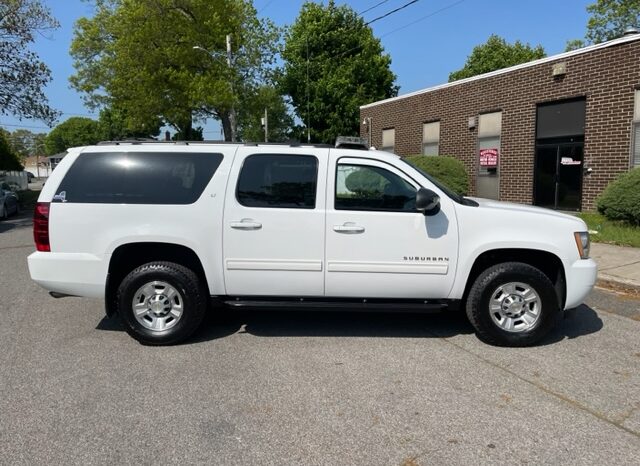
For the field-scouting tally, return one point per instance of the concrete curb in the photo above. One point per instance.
(617, 284)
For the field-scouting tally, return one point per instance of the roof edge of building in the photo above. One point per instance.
(590, 48)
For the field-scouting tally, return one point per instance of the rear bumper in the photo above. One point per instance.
(581, 278)
(69, 273)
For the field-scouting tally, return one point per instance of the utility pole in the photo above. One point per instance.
(308, 127)
(266, 125)
(232, 110)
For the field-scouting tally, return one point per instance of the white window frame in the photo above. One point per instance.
(388, 148)
(634, 156)
(491, 130)
(431, 138)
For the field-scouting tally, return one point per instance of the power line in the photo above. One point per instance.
(265, 6)
(402, 7)
(433, 13)
(25, 126)
(374, 6)
(446, 7)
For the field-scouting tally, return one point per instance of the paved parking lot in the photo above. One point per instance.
(309, 388)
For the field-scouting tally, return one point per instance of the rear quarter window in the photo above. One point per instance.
(138, 177)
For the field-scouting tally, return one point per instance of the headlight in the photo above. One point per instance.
(583, 243)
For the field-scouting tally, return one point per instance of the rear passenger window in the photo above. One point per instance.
(287, 181)
(138, 177)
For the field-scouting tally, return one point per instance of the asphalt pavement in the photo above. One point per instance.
(309, 388)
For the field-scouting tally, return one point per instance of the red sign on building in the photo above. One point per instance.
(488, 157)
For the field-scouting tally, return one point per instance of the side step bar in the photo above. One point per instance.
(368, 305)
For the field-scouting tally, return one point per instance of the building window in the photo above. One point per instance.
(635, 136)
(388, 139)
(489, 130)
(431, 138)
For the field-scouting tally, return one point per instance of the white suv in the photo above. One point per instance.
(158, 229)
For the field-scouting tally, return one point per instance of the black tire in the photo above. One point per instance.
(5, 212)
(185, 281)
(478, 304)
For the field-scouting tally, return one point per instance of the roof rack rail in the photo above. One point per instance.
(154, 141)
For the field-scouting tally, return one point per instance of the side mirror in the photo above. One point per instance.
(427, 202)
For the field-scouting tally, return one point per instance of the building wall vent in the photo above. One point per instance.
(559, 69)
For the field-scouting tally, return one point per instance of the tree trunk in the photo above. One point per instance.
(226, 125)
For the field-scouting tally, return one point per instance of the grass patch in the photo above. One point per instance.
(610, 231)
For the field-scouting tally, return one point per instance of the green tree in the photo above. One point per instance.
(114, 125)
(22, 75)
(279, 120)
(8, 158)
(610, 18)
(74, 132)
(25, 143)
(575, 44)
(496, 54)
(333, 64)
(148, 57)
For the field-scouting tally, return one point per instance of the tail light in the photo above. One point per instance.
(41, 226)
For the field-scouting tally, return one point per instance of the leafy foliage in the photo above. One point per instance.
(448, 170)
(610, 18)
(24, 143)
(575, 44)
(114, 125)
(496, 54)
(8, 158)
(333, 64)
(280, 121)
(366, 183)
(22, 75)
(139, 56)
(76, 131)
(621, 199)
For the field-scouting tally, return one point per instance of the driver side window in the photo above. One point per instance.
(363, 187)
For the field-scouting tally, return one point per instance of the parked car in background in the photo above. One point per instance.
(30, 176)
(9, 201)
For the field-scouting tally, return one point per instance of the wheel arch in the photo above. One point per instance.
(547, 262)
(127, 257)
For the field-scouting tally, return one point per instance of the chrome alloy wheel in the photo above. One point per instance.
(515, 307)
(157, 306)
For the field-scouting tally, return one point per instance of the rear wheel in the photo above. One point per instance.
(161, 303)
(512, 304)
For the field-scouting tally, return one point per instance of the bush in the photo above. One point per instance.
(448, 170)
(621, 199)
(366, 183)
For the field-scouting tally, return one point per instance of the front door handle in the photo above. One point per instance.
(246, 224)
(348, 228)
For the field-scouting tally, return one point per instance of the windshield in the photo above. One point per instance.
(452, 194)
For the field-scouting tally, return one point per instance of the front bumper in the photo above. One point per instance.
(581, 278)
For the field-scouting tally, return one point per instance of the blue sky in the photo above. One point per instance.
(423, 54)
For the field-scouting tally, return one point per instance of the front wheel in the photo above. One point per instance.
(161, 303)
(512, 304)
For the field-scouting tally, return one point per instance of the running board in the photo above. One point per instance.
(368, 305)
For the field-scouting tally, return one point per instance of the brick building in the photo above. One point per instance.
(552, 132)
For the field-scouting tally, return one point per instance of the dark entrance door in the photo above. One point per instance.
(559, 154)
(558, 175)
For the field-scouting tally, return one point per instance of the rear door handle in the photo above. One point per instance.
(348, 228)
(246, 224)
